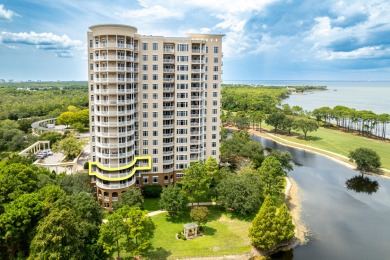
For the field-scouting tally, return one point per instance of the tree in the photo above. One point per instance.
(199, 214)
(284, 158)
(272, 176)
(196, 180)
(275, 119)
(132, 197)
(139, 230)
(65, 118)
(51, 136)
(174, 200)
(70, 146)
(74, 183)
(366, 159)
(240, 193)
(17, 225)
(305, 125)
(111, 234)
(152, 190)
(57, 237)
(271, 227)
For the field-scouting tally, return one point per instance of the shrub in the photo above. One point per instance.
(86, 165)
(151, 191)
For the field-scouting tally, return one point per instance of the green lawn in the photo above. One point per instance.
(341, 142)
(151, 204)
(225, 235)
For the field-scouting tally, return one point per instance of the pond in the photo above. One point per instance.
(343, 223)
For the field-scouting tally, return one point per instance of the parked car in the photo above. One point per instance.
(41, 155)
(48, 152)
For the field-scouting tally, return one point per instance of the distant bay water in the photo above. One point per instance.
(361, 95)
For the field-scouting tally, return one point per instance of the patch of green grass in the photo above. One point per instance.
(151, 204)
(225, 234)
(340, 142)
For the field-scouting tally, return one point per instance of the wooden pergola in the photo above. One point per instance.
(190, 227)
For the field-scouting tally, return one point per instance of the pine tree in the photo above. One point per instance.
(271, 227)
(262, 232)
(285, 224)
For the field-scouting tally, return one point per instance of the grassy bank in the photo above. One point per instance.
(339, 142)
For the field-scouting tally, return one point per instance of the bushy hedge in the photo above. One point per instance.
(151, 191)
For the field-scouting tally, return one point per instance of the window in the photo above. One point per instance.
(144, 57)
(145, 142)
(215, 68)
(181, 122)
(155, 169)
(144, 67)
(182, 58)
(181, 140)
(182, 104)
(155, 151)
(144, 133)
(215, 94)
(215, 59)
(179, 175)
(91, 56)
(145, 114)
(182, 67)
(181, 131)
(144, 124)
(155, 114)
(155, 124)
(155, 178)
(214, 136)
(155, 86)
(215, 85)
(145, 46)
(155, 67)
(182, 77)
(182, 95)
(155, 76)
(90, 43)
(145, 95)
(214, 120)
(215, 77)
(155, 142)
(155, 133)
(146, 179)
(215, 103)
(155, 105)
(155, 95)
(213, 152)
(145, 86)
(181, 148)
(214, 128)
(213, 144)
(215, 111)
(216, 49)
(181, 157)
(144, 105)
(182, 47)
(181, 113)
(182, 86)
(181, 166)
(155, 58)
(145, 76)
(155, 46)
(145, 151)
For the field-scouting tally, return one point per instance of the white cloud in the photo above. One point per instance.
(152, 13)
(369, 52)
(44, 41)
(6, 14)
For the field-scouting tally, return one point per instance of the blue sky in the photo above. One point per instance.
(265, 39)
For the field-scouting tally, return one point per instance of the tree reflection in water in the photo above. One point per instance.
(362, 184)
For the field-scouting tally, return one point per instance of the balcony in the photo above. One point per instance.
(168, 98)
(113, 134)
(114, 145)
(114, 123)
(195, 115)
(104, 69)
(168, 60)
(169, 70)
(168, 144)
(197, 79)
(116, 185)
(168, 89)
(168, 116)
(168, 135)
(195, 141)
(116, 45)
(168, 79)
(194, 150)
(115, 80)
(198, 70)
(168, 126)
(168, 152)
(198, 61)
(114, 155)
(169, 50)
(168, 107)
(167, 161)
(196, 97)
(168, 169)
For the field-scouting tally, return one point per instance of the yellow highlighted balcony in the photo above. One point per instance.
(131, 173)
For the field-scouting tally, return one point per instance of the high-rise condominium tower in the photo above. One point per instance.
(154, 106)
